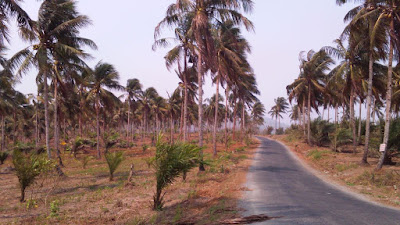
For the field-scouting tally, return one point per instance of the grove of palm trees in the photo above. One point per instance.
(86, 141)
(91, 147)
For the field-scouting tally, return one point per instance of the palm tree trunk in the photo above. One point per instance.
(234, 120)
(336, 113)
(388, 99)
(129, 119)
(359, 124)
(309, 116)
(185, 106)
(352, 119)
(304, 117)
(36, 126)
(200, 90)
(2, 133)
(243, 122)
(98, 128)
(46, 115)
(56, 124)
(369, 96)
(299, 113)
(181, 120)
(172, 129)
(216, 117)
(226, 117)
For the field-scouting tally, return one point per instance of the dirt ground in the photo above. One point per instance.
(86, 196)
(344, 168)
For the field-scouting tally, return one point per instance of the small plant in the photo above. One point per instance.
(170, 162)
(315, 154)
(145, 147)
(149, 161)
(85, 160)
(3, 157)
(54, 208)
(240, 149)
(269, 130)
(340, 137)
(113, 161)
(28, 168)
(30, 204)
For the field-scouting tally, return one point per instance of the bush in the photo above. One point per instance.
(80, 144)
(280, 131)
(340, 137)
(113, 161)
(3, 157)
(269, 130)
(28, 168)
(145, 147)
(320, 130)
(394, 135)
(170, 162)
(110, 139)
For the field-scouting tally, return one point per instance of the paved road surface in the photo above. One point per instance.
(281, 186)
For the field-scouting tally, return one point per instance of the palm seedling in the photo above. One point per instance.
(113, 161)
(170, 162)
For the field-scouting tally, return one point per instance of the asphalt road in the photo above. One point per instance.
(279, 186)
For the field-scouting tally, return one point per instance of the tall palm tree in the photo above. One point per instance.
(313, 71)
(257, 114)
(203, 14)
(134, 90)
(231, 50)
(104, 76)
(281, 106)
(55, 38)
(389, 18)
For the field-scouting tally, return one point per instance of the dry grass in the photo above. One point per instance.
(87, 196)
(345, 169)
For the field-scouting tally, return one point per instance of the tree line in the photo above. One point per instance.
(358, 69)
(207, 42)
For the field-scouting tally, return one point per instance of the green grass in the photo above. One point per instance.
(344, 167)
(317, 155)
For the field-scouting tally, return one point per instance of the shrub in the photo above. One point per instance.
(280, 131)
(85, 160)
(28, 168)
(113, 161)
(269, 130)
(320, 130)
(340, 137)
(110, 139)
(80, 144)
(145, 147)
(394, 135)
(3, 157)
(170, 162)
(54, 208)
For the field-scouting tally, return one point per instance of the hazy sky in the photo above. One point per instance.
(123, 31)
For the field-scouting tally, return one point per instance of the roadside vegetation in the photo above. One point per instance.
(352, 91)
(77, 152)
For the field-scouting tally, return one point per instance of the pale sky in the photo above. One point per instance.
(123, 31)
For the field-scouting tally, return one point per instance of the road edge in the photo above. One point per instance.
(329, 181)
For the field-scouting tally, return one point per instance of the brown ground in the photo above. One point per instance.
(344, 168)
(87, 196)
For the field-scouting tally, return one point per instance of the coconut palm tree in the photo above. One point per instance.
(257, 114)
(104, 76)
(55, 40)
(313, 71)
(9, 9)
(134, 90)
(203, 14)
